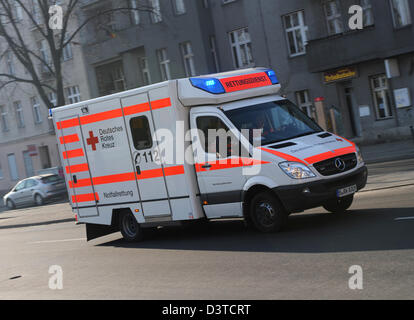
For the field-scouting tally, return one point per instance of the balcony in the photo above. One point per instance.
(354, 47)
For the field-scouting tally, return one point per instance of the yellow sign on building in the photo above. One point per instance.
(340, 74)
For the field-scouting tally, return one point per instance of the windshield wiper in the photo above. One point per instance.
(294, 137)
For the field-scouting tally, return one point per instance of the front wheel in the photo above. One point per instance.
(339, 205)
(267, 213)
(10, 204)
(38, 200)
(129, 227)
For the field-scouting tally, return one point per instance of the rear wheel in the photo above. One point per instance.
(10, 204)
(38, 200)
(267, 213)
(339, 205)
(129, 227)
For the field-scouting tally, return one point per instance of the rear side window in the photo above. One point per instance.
(31, 183)
(51, 179)
(141, 133)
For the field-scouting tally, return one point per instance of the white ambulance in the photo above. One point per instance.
(118, 178)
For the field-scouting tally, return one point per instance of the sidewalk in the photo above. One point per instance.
(388, 151)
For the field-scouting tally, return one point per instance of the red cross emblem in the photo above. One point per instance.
(92, 140)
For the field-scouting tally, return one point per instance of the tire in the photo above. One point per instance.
(38, 199)
(339, 205)
(267, 213)
(129, 227)
(10, 204)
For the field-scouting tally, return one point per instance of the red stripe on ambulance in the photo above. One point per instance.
(85, 197)
(124, 177)
(73, 154)
(69, 139)
(77, 168)
(283, 155)
(330, 154)
(228, 164)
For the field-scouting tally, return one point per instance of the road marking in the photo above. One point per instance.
(404, 218)
(52, 241)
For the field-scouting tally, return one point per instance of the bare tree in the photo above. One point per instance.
(14, 40)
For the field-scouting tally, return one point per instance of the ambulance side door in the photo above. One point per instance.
(81, 191)
(220, 178)
(146, 157)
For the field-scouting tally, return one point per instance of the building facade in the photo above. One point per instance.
(363, 78)
(27, 139)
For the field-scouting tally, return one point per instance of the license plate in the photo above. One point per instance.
(346, 191)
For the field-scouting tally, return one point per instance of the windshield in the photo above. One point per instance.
(279, 121)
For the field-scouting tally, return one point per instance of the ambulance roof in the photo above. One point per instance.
(225, 87)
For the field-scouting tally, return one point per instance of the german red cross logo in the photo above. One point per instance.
(92, 140)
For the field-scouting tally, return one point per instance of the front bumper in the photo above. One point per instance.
(295, 199)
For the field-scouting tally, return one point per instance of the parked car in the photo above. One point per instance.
(55, 170)
(36, 190)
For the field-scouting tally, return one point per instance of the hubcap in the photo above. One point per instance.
(129, 226)
(265, 213)
(38, 200)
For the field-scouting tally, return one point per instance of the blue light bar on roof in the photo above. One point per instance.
(211, 85)
(272, 76)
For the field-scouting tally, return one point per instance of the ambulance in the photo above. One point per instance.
(277, 161)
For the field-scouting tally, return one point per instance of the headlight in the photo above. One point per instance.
(359, 156)
(296, 170)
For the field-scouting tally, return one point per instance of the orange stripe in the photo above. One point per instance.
(138, 108)
(80, 183)
(102, 116)
(77, 168)
(283, 155)
(69, 139)
(328, 155)
(73, 154)
(85, 197)
(123, 177)
(229, 164)
(68, 123)
(159, 104)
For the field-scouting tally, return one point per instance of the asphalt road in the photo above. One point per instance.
(222, 260)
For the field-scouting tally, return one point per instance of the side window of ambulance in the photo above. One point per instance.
(141, 133)
(211, 144)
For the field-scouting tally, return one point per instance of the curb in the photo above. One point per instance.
(386, 188)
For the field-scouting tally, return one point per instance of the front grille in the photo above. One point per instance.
(328, 168)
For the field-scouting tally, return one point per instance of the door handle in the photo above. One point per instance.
(206, 166)
(138, 170)
(75, 179)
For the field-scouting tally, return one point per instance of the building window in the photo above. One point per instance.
(333, 17)
(164, 63)
(36, 110)
(18, 11)
(367, 12)
(134, 12)
(179, 6)
(73, 94)
(67, 51)
(44, 54)
(14, 173)
(296, 32)
(4, 120)
(381, 96)
(36, 12)
(9, 63)
(188, 58)
(304, 103)
(110, 78)
(19, 114)
(156, 11)
(52, 98)
(213, 50)
(146, 76)
(401, 13)
(241, 48)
